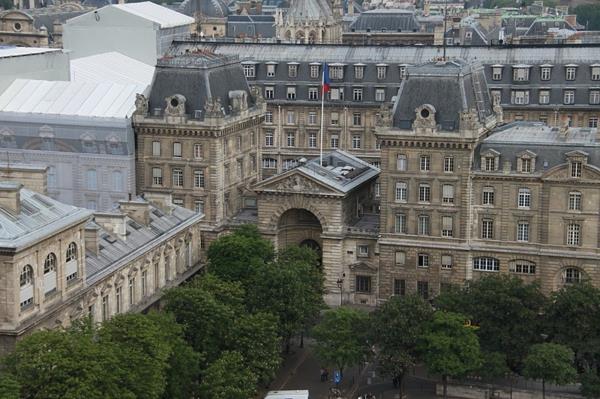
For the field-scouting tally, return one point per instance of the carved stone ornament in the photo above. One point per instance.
(212, 107)
(384, 117)
(298, 183)
(257, 94)
(425, 117)
(175, 105)
(238, 100)
(468, 119)
(141, 104)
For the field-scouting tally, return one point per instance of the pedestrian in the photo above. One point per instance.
(326, 378)
(322, 371)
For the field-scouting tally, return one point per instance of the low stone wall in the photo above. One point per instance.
(479, 392)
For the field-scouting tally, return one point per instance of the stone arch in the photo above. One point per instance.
(300, 36)
(298, 226)
(288, 35)
(312, 37)
(301, 204)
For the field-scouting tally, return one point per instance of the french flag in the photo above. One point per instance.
(326, 81)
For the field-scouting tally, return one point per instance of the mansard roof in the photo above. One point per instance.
(551, 145)
(386, 20)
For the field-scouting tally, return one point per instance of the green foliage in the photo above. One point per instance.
(588, 15)
(493, 365)
(233, 257)
(590, 384)
(395, 329)
(9, 387)
(550, 363)
(341, 337)
(449, 347)
(228, 378)
(572, 320)
(507, 311)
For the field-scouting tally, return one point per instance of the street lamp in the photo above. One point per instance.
(340, 284)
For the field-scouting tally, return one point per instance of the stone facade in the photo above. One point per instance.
(310, 22)
(17, 28)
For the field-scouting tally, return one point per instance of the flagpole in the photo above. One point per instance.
(322, 115)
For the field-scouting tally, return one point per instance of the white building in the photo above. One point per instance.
(80, 130)
(32, 63)
(142, 31)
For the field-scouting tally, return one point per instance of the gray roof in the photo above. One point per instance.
(251, 26)
(199, 77)
(386, 20)
(450, 87)
(40, 217)
(549, 144)
(309, 10)
(207, 8)
(113, 250)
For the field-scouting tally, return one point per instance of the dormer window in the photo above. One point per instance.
(271, 70)
(519, 97)
(526, 162)
(545, 72)
(292, 70)
(336, 72)
(576, 160)
(402, 69)
(314, 71)
(595, 72)
(576, 169)
(381, 70)
(521, 73)
(249, 70)
(490, 160)
(497, 72)
(359, 71)
(570, 72)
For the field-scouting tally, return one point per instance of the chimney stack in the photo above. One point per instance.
(138, 210)
(10, 197)
(91, 238)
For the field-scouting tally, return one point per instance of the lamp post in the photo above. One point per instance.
(340, 284)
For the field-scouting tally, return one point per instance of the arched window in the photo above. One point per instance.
(50, 273)
(71, 266)
(72, 252)
(26, 283)
(91, 183)
(117, 180)
(571, 275)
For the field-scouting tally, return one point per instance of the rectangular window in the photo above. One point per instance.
(359, 72)
(199, 206)
(118, 300)
(363, 284)
(575, 201)
(357, 119)
(335, 141)
(520, 74)
(400, 225)
(157, 179)
(334, 118)
(269, 117)
(490, 164)
(357, 94)
(381, 72)
(198, 153)
(487, 229)
(144, 282)
(593, 121)
(291, 93)
(380, 95)
(313, 93)
(573, 234)
(401, 192)
(595, 73)
(570, 73)
(363, 250)
(519, 97)
(545, 73)
(156, 148)
(446, 262)
(423, 289)
(447, 226)
(400, 258)
(356, 142)
(575, 169)
(497, 73)
(249, 70)
(523, 231)
(448, 194)
(291, 117)
(292, 70)
(291, 139)
(105, 309)
(487, 196)
(269, 92)
(177, 150)
(595, 97)
(524, 199)
(569, 96)
(177, 177)
(401, 162)
(424, 192)
(269, 139)
(336, 93)
(199, 178)
(312, 140)
(486, 264)
(402, 70)
(269, 163)
(270, 70)
(522, 266)
(422, 260)
(131, 290)
(399, 287)
(423, 225)
(525, 165)
(448, 164)
(336, 72)
(312, 118)
(544, 97)
(424, 163)
(314, 71)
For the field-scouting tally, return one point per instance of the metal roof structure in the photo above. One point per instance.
(13, 51)
(39, 217)
(111, 67)
(163, 16)
(84, 99)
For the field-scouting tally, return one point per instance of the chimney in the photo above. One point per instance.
(10, 197)
(113, 223)
(32, 177)
(91, 238)
(138, 210)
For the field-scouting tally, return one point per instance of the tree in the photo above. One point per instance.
(588, 15)
(493, 365)
(590, 384)
(550, 362)
(341, 338)
(395, 329)
(507, 311)
(571, 319)
(9, 387)
(228, 378)
(233, 257)
(449, 347)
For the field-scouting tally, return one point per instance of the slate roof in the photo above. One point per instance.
(39, 218)
(449, 86)
(385, 20)
(251, 26)
(198, 77)
(309, 10)
(207, 8)
(549, 144)
(114, 250)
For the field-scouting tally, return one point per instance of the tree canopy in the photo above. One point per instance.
(550, 363)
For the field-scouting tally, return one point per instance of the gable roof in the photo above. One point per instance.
(163, 16)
